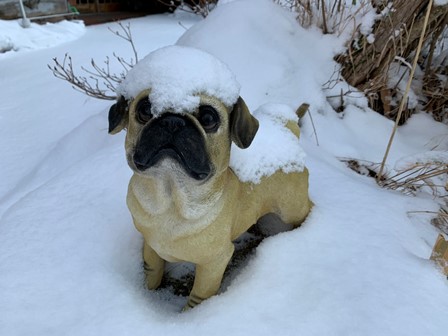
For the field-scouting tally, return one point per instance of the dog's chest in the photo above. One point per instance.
(168, 213)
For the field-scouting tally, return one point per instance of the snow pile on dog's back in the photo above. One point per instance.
(175, 75)
(274, 147)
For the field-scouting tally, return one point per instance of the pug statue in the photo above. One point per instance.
(183, 115)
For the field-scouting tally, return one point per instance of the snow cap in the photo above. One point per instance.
(176, 75)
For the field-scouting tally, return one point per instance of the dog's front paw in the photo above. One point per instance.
(186, 308)
(192, 302)
(152, 278)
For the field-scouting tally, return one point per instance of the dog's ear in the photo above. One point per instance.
(243, 125)
(118, 116)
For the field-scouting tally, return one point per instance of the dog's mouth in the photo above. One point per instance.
(170, 151)
(185, 146)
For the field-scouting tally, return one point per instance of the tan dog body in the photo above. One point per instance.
(177, 234)
(185, 199)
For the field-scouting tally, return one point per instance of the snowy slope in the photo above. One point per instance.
(53, 109)
(70, 260)
(14, 38)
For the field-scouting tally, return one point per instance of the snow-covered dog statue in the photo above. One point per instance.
(193, 192)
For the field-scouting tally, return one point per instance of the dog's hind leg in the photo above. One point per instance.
(296, 216)
(294, 203)
(153, 267)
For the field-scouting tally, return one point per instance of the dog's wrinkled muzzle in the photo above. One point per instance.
(175, 137)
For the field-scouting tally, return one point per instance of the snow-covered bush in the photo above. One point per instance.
(341, 17)
(378, 63)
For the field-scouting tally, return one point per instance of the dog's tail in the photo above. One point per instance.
(294, 127)
(302, 110)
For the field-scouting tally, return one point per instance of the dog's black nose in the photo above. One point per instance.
(173, 122)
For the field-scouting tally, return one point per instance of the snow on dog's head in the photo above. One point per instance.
(176, 75)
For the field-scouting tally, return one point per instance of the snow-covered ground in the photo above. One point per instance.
(70, 260)
(14, 38)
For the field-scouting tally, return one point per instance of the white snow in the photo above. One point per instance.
(176, 76)
(268, 51)
(13, 37)
(440, 2)
(274, 148)
(398, 77)
(70, 258)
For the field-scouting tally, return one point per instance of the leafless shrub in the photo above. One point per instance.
(103, 81)
(332, 16)
(429, 177)
(367, 66)
(99, 82)
(338, 93)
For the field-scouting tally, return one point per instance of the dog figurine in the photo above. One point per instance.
(185, 200)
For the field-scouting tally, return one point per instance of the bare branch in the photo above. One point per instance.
(126, 35)
(65, 71)
(99, 81)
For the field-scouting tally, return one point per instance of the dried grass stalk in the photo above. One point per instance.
(430, 176)
(408, 87)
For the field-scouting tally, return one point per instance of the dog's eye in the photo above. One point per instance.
(143, 111)
(208, 118)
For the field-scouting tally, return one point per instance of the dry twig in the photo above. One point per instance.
(126, 35)
(419, 176)
(83, 84)
(100, 81)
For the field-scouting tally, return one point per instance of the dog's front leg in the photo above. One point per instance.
(208, 278)
(153, 267)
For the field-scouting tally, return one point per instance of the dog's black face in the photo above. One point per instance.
(172, 136)
(195, 144)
